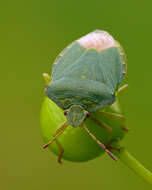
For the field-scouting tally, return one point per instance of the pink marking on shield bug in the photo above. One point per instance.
(97, 39)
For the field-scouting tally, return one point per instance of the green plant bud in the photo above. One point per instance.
(77, 144)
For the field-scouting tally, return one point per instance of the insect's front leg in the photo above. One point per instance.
(122, 89)
(115, 116)
(111, 115)
(61, 151)
(102, 124)
(113, 148)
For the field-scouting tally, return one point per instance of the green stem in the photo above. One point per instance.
(135, 165)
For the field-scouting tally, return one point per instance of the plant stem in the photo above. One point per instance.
(134, 165)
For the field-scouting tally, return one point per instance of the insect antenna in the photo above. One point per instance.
(99, 142)
(58, 132)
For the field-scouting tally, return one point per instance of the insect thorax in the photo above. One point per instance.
(76, 114)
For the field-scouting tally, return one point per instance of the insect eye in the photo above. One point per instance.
(87, 114)
(65, 112)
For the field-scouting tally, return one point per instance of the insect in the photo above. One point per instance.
(85, 78)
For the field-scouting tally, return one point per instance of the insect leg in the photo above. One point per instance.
(102, 124)
(47, 79)
(125, 128)
(59, 131)
(116, 116)
(61, 151)
(112, 115)
(99, 142)
(122, 89)
(113, 148)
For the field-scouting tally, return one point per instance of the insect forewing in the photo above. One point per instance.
(66, 59)
(111, 67)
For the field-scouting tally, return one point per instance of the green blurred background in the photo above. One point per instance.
(32, 33)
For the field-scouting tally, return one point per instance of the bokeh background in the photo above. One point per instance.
(32, 33)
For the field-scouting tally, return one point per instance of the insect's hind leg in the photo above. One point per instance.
(47, 79)
(122, 89)
(61, 151)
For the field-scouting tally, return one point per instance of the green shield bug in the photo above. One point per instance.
(85, 80)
